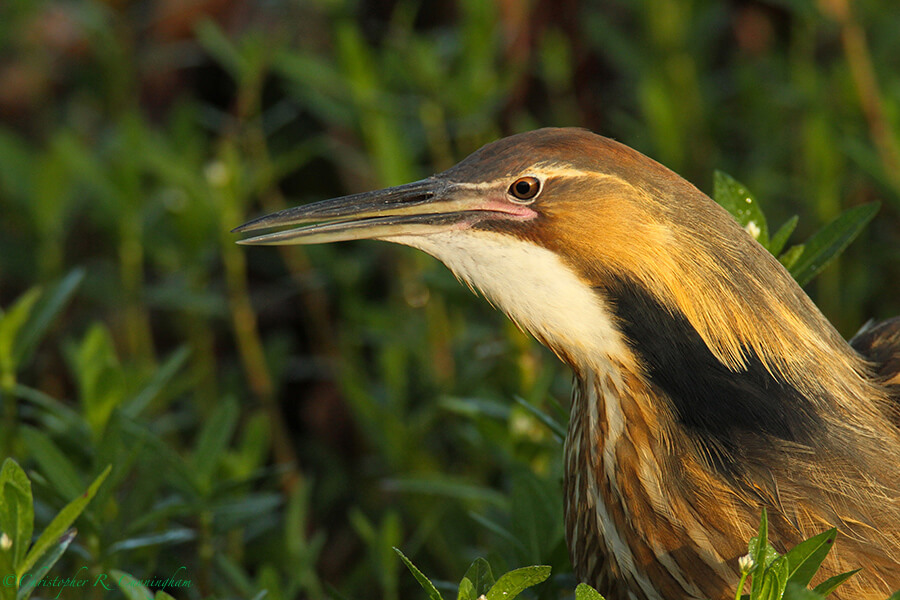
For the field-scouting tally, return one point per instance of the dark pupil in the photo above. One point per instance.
(523, 187)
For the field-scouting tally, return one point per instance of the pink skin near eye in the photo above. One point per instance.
(501, 204)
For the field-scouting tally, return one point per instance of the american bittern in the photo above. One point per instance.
(708, 385)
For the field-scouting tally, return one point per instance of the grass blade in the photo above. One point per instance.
(44, 313)
(42, 568)
(830, 584)
(791, 256)
(213, 442)
(160, 380)
(11, 323)
(558, 430)
(131, 587)
(830, 241)
(426, 584)
(60, 523)
(53, 462)
(776, 244)
(446, 488)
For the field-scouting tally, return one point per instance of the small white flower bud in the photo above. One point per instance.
(753, 229)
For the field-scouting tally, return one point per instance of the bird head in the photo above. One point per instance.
(553, 226)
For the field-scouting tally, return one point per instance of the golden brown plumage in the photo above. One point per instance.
(708, 385)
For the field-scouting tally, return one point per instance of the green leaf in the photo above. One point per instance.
(54, 415)
(270, 579)
(831, 584)
(242, 510)
(447, 488)
(42, 568)
(7, 592)
(535, 518)
(161, 595)
(805, 558)
(160, 380)
(213, 441)
(250, 454)
(895, 596)
(101, 380)
(426, 584)
(586, 592)
(234, 576)
(758, 544)
(53, 463)
(381, 129)
(824, 246)
(60, 523)
(479, 574)
(498, 530)
(131, 587)
(789, 258)
(220, 46)
(168, 537)
(49, 307)
(513, 583)
(16, 509)
(11, 323)
(775, 579)
(776, 244)
(466, 590)
(738, 200)
(558, 430)
(178, 471)
(795, 591)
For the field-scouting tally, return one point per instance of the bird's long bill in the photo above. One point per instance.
(427, 206)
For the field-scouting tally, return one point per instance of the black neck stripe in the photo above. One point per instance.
(730, 413)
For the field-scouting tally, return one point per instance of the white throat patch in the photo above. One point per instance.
(531, 285)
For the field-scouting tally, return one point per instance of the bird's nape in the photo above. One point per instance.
(708, 387)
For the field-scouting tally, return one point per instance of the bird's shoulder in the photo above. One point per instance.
(879, 343)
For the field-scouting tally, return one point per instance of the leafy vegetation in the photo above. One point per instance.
(280, 420)
(806, 260)
(772, 576)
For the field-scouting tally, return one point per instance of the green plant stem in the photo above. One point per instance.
(252, 353)
(740, 587)
(131, 267)
(10, 412)
(859, 60)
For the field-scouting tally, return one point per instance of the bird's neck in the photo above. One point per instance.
(727, 410)
(735, 356)
(669, 462)
(534, 287)
(635, 489)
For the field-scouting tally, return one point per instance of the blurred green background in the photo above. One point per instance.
(278, 419)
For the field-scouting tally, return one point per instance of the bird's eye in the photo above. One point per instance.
(525, 188)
